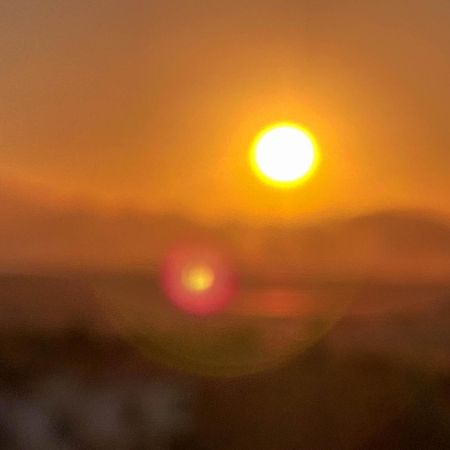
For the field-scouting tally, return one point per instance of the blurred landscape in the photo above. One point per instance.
(378, 378)
(224, 225)
(338, 336)
(392, 245)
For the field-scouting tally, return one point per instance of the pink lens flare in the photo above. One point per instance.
(198, 279)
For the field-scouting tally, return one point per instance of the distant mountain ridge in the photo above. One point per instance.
(387, 244)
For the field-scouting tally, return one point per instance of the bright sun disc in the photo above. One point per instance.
(284, 155)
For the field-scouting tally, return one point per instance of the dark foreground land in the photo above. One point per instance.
(377, 376)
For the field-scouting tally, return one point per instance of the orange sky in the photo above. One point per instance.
(154, 105)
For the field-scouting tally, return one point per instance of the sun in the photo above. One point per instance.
(284, 155)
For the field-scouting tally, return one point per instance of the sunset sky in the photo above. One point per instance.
(155, 104)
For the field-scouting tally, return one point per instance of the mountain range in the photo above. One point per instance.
(389, 244)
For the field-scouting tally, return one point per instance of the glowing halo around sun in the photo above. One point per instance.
(284, 155)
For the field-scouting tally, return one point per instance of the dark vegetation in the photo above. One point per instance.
(318, 400)
(377, 376)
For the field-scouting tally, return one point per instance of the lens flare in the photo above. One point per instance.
(197, 280)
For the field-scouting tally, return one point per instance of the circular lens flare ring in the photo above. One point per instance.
(284, 155)
(197, 280)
